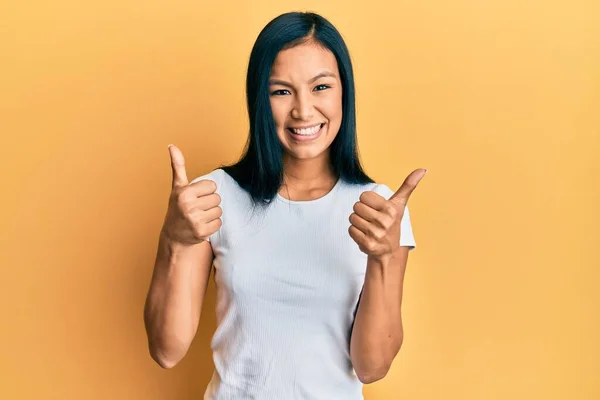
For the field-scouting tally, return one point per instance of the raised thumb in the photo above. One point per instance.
(178, 165)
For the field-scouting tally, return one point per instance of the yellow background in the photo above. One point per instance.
(499, 99)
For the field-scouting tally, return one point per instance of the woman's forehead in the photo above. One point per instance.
(303, 62)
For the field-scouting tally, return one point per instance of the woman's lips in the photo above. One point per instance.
(305, 138)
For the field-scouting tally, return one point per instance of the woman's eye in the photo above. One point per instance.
(321, 87)
(279, 92)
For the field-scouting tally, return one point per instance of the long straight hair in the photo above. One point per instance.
(260, 169)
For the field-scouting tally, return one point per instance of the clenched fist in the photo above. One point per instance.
(193, 213)
(375, 222)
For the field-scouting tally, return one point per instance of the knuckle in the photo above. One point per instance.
(189, 208)
(185, 191)
(200, 231)
(389, 225)
(182, 203)
(392, 212)
(379, 220)
(182, 196)
(386, 222)
(374, 234)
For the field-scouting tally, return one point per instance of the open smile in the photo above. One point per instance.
(308, 133)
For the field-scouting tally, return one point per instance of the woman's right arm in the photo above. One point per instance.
(182, 267)
(174, 302)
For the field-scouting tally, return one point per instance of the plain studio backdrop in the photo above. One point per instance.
(499, 99)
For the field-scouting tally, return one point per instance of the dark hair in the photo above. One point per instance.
(260, 169)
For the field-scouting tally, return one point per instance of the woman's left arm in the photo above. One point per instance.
(377, 333)
(375, 227)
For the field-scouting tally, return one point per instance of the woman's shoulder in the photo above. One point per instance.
(379, 188)
(219, 177)
(383, 190)
(215, 175)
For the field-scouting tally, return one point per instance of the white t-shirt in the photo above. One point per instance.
(288, 280)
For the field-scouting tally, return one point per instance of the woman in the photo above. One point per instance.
(290, 276)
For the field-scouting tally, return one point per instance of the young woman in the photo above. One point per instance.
(309, 252)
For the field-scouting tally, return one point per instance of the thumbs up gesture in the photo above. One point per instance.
(375, 222)
(193, 213)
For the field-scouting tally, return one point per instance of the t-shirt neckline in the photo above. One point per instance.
(318, 200)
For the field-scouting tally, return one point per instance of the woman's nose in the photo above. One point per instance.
(303, 107)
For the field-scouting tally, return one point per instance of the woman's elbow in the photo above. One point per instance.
(372, 376)
(164, 362)
(164, 359)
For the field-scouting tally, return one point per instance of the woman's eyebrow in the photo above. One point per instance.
(311, 80)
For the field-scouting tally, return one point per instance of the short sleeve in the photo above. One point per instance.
(406, 233)
(215, 176)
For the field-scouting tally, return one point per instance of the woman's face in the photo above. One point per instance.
(306, 99)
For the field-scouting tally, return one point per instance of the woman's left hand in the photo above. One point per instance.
(375, 222)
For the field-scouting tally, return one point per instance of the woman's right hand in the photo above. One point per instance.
(193, 213)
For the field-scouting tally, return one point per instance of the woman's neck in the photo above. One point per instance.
(308, 174)
(307, 179)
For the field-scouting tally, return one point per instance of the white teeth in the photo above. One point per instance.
(307, 131)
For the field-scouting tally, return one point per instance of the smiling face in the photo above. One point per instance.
(306, 98)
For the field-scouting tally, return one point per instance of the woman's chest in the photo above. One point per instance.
(296, 259)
